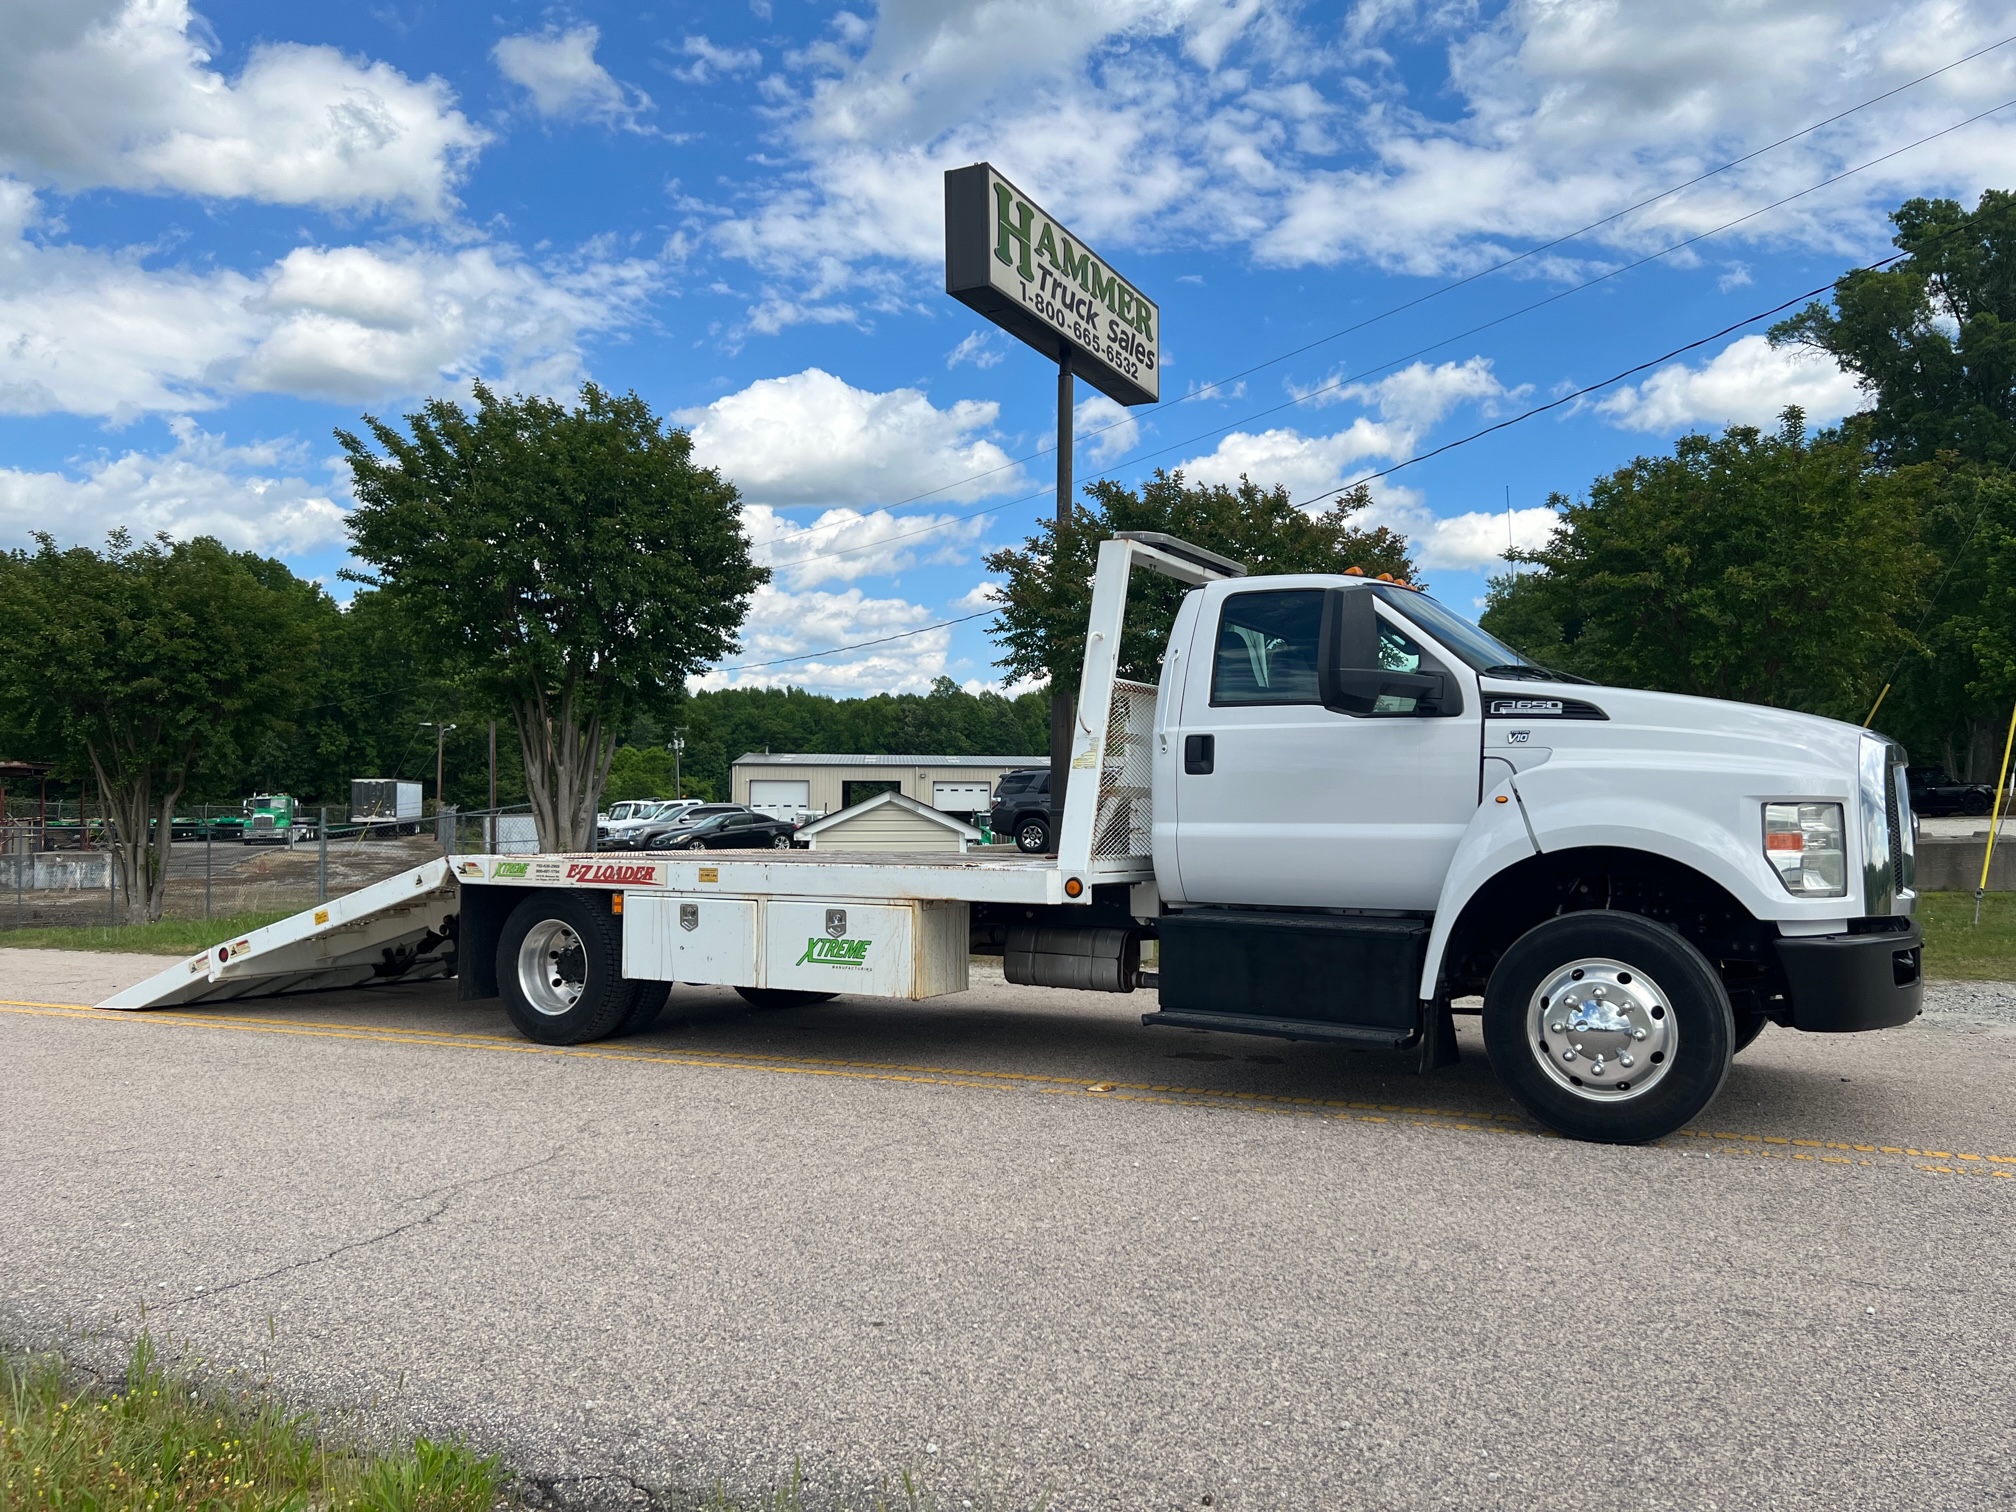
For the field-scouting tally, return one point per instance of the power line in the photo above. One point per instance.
(857, 646)
(1591, 388)
(1455, 284)
(1338, 383)
(1479, 435)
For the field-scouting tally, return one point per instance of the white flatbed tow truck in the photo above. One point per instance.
(1342, 809)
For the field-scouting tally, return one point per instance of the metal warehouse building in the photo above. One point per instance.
(825, 784)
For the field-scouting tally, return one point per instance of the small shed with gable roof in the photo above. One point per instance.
(889, 822)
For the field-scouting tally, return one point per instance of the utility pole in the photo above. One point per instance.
(1062, 711)
(492, 846)
(440, 749)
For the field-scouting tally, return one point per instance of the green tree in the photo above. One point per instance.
(1043, 611)
(572, 567)
(1775, 569)
(147, 665)
(1933, 340)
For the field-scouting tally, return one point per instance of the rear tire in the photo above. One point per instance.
(780, 842)
(651, 1000)
(1608, 1027)
(1032, 837)
(783, 997)
(560, 969)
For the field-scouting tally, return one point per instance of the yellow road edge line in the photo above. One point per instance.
(852, 1070)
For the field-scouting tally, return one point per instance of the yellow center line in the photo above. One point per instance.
(1104, 1090)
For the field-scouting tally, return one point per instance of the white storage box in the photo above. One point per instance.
(913, 949)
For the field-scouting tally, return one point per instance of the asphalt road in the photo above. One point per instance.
(1016, 1243)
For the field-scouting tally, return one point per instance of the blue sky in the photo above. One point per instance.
(226, 231)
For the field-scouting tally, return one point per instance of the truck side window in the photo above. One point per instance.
(1266, 652)
(1398, 652)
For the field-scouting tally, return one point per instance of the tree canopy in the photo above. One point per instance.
(1933, 337)
(142, 665)
(1043, 610)
(572, 566)
(1774, 569)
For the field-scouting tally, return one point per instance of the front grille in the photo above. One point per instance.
(1894, 811)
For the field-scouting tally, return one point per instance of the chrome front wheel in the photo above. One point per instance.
(1602, 1030)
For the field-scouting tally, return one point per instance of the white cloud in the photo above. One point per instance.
(844, 545)
(101, 333)
(976, 347)
(710, 60)
(980, 596)
(558, 70)
(786, 624)
(1103, 429)
(812, 438)
(250, 497)
(120, 94)
(1170, 123)
(1748, 382)
(1409, 403)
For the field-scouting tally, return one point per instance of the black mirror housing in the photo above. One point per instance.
(1349, 678)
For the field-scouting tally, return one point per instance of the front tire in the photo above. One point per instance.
(560, 969)
(1608, 1027)
(1032, 837)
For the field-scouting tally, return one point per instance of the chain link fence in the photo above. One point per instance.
(57, 869)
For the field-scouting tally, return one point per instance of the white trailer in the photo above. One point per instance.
(1342, 810)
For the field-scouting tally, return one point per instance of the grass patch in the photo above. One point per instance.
(164, 937)
(155, 1442)
(1958, 949)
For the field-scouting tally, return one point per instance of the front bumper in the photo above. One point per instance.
(1844, 983)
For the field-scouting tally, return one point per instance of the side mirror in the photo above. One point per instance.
(1349, 677)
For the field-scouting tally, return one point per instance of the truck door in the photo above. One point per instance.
(1282, 801)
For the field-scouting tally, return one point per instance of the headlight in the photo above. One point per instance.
(1804, 841)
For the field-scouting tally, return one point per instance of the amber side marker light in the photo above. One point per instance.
(1073, 888)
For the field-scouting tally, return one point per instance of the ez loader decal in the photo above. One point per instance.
(621, 873)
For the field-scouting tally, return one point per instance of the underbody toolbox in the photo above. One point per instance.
(1335, 970)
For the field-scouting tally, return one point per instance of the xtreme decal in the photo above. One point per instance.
(820, 951)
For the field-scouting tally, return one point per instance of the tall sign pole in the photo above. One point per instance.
(1063, 698)
(1011, 262)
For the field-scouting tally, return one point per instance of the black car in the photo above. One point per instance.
(651, 836)
(1022, 810)
(726, 827)
(1936, 795)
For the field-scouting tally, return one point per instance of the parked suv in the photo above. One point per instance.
(1022, 810)
(1934, 794)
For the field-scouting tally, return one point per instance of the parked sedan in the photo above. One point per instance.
(737, 829)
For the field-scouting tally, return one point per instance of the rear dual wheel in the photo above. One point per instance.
(560, 972)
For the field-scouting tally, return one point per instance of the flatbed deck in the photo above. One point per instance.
(967, 878)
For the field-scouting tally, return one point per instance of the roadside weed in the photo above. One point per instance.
(155, 1442)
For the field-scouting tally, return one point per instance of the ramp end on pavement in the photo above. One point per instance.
(399, 929)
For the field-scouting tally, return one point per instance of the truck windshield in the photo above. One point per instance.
(1475, 645)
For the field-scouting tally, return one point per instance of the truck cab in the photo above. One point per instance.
(1368, 810)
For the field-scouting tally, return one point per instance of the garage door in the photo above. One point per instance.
(962, 797)
(779, 799)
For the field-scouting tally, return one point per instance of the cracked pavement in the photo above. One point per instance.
(1016, 1243)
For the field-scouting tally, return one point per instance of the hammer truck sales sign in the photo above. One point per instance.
(1011, 262)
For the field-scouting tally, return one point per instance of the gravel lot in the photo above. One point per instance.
(1017, 1243)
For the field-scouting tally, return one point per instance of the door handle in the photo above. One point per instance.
(1200, 754)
